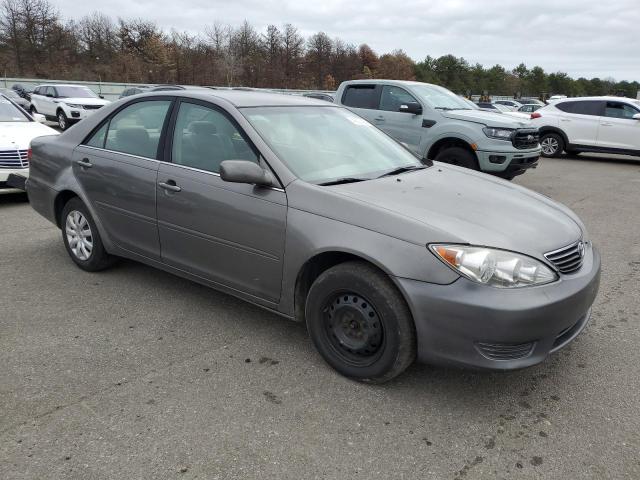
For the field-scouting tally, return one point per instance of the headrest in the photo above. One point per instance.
(132, 135)
(203, 128)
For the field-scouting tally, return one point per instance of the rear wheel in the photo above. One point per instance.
(360, 323)
(81, 238)
(458, 156)
(552, 145)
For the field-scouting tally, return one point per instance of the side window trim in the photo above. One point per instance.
(377, 90)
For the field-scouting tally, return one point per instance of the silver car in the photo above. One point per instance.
(307, 210)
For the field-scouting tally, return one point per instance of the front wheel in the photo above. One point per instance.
(552, 145)
(458, 156)
(360, 324)
(81, 238)
(63, 122)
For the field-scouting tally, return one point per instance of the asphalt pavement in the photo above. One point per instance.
(134, 373)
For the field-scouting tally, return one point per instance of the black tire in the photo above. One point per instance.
(552, 144)
(98, 258)
(370, 336)
(63, 121)
(458, 156)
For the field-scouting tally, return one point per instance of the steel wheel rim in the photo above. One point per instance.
(79, 236)
(353, 328)
(62, 123)
(549, 145)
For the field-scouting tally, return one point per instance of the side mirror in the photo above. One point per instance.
(38, 117)
(636, 116)
(411, 107)
(101, 96)
(50, 95)
(244, 171)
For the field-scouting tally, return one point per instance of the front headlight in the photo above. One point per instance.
(498, 268)
(498, 133)
(74, 105)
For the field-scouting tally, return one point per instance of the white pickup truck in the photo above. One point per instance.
(437, 124)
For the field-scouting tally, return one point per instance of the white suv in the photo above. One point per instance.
(589, 124)
(65, 104)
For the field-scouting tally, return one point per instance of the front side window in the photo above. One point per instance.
(135, 129)
(361, 96)
(392, 97)
(205, 137)
(620, 110)
(323, 144)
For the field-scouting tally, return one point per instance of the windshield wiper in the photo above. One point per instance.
(398, 170)
(340, 181)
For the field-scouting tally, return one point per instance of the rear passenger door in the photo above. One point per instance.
(231, 234)
(618, 128)
(117, 168)
(363, 100)
(581, 120)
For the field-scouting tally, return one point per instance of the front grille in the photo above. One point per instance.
(92, 107)
(525, 138)
(14, 159)
(567, 259)
(505, 351)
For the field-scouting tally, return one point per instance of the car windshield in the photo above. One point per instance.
(327, 144)
(10, 113)
(75, 92)
(439, 98)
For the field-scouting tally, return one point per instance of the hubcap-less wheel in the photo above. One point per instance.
(79, 235)
(549, 146)
(353, 328)
(62, 121)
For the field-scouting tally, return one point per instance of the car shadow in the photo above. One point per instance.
(13, 198)
(593, 157)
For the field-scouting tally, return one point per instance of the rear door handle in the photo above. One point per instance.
(606, 124)
(85, 163)
(379, 119)
(170, 185)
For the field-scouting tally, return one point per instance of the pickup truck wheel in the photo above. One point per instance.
(63, 122)
(552, 145)
(458, 156)
(81, 238)
(360, 323)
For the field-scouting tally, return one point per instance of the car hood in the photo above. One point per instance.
(85, 101)
(490, 119)
(461, 206)
(18, 135)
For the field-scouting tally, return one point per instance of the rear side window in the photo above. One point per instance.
(136, 129)
(589, 107)
(620, 110)
(361, 96)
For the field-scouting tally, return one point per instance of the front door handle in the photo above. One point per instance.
(379, 119)
(606, 124)
(85, 163)
(170, 185)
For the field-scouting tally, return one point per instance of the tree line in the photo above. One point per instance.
(36, 42)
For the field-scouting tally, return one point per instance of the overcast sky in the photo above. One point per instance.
(581, 37)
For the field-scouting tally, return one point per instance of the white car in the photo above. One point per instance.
(555, 98)
(589, 124)
(17, 129)
(65, 104)
(513, 104)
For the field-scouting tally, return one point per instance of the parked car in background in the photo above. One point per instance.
(437, 124)
(529, 108)
(503, 109)
(127, 92)
(513, 104)
(65, 104)
(531, 101)
(589, 124)
(157, 88)
(327, 97)
(555, 98)
(22, 91)
(17, 129)
(308, 210)
(15, 98)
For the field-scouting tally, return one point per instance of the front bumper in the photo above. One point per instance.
(509, 163)
(77, 114)
(472, 325)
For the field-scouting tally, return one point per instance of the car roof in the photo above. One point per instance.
(243, 98)
(60, 85)
(601, 98)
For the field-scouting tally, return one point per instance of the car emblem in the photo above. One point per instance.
(581, 249)
(530, 137)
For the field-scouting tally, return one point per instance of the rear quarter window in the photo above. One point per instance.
(589, 107)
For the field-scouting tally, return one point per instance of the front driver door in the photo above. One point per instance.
(618, 129)
(228, 233)
(404, 127)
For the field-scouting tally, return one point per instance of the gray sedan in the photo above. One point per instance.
(307, 210)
